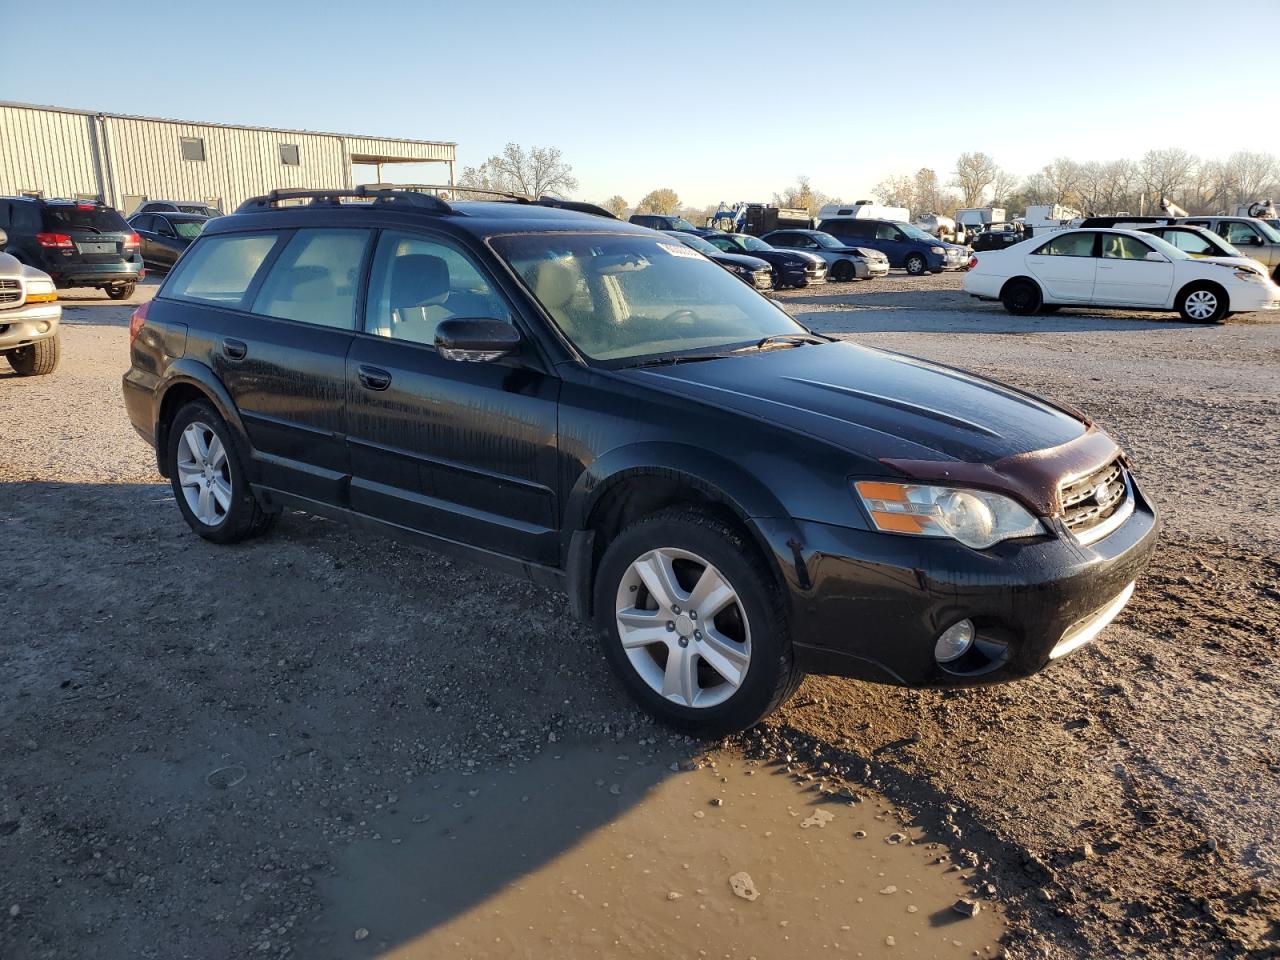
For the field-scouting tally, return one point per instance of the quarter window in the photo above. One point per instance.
(192, 148)
(1068, 245)
(289, 154)
(1117, 246)
(315, 279)
(220, 270)
(416, 283)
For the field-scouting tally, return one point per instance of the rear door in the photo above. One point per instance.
(274, 318)
(1066, 266)
(1125, 277)
(463, 451)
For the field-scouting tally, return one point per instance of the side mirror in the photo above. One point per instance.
(1256, 241)
(476, 340)
(4, 238)
(1155, 256)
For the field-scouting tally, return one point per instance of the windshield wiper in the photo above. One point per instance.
(681, 358)
(795, 339)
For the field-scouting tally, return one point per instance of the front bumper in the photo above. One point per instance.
(871, 605)
(25, 325)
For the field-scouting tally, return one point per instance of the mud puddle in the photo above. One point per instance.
(586, 854)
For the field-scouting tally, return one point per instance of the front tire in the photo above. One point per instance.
(916, 265)
(1021, 297)
(208, 479)
(842, 271)
(37, 359)
(693, 624)
(1203, 303)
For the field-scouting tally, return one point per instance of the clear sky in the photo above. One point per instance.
(718, 100)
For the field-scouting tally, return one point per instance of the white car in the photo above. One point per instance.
(1117, 268)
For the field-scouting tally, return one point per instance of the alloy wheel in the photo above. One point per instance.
(1201, 304)
(683, 627)
(204, 473)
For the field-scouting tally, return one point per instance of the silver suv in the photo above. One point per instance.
(29, 315)
(1254, 238)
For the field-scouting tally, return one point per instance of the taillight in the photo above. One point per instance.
(84, 206)
(973, 262)
(137, 320)
(131, 242)
(56, 240)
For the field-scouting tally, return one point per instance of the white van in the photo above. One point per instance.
(864, 210)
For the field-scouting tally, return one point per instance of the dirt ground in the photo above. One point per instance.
(210, 752)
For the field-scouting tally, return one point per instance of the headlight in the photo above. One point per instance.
(937, 249)
(740, 268)
(41, 291)
(976, 518)
(1243, 274)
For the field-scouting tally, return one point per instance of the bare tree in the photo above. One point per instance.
(663, 200)
(1167, 173)
(1003, 187)
(530, 172)
(927, 195)
(895, 191)
(615, 205)
(1062, 177)
(802, 196)
(1248, 176)
(975, 173)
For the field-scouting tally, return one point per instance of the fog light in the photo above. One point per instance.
(43, 326)
(954, 642)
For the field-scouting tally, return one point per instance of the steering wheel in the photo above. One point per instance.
(682, 314)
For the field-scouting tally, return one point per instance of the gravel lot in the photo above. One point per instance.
(196, 739)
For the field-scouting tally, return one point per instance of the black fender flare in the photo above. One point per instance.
(189, 372)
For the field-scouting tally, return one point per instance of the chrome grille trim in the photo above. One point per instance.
(11, 294)
(1095, 505)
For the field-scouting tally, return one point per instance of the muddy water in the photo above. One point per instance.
(588, 854)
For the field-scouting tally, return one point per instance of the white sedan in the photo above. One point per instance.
(1117, 268)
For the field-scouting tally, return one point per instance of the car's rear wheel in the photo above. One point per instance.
(208, 479)
(1021, 297)
(1203, 303)
(37, 359)
(916, 265)
(121, 291)
(692, 623)
(842, 271)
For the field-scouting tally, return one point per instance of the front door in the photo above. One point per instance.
(463, 451)
(1066, 266)
(1127, 278)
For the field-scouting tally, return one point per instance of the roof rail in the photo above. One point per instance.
(380, 194)
(549, 200)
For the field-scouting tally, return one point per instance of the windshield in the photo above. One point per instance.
(680, 223)
(753, 243)
(188, 229)
(827, 240)
(1167, 248)
(697, 243)
(621, 297)
(915, 233)
(1268, 231)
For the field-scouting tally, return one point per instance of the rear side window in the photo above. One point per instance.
(315, 278)
(66, 217)
(220, 270)
(1070, 245)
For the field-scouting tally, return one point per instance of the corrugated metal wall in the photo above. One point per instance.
(62, 153)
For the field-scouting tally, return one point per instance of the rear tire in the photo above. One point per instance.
(916, 265)
(37, 359)
(746, 634)
(216, 502)
(1203, 303)
(1021, 297)
(121, 291)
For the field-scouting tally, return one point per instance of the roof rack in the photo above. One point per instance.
(380, 194)
(544, 200)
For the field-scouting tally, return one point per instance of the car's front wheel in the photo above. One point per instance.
(842, 271)
(916, 265)
(1021, 297)
(208, 479)
(1203, 303)
(36, 359)
(693, 624)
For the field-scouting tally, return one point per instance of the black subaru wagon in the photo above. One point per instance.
(732, 499)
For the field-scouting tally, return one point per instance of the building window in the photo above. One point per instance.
(289, 154)
(192, 148)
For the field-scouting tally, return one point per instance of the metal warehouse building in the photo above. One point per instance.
(124, 160)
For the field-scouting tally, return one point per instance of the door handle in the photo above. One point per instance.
(374, 378)
(234, 349)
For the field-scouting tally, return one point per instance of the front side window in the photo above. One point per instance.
(192, 148)
(887, 231)
(220, 270)
(1240, 233)
(618, 297)
(1068, 245)
(418, 282)
(1117, 246)
(315, 279)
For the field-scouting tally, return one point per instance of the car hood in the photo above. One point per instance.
(741, 260)
(873, 403)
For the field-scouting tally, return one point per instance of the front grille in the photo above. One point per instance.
(10, 293)
(1092, 500)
